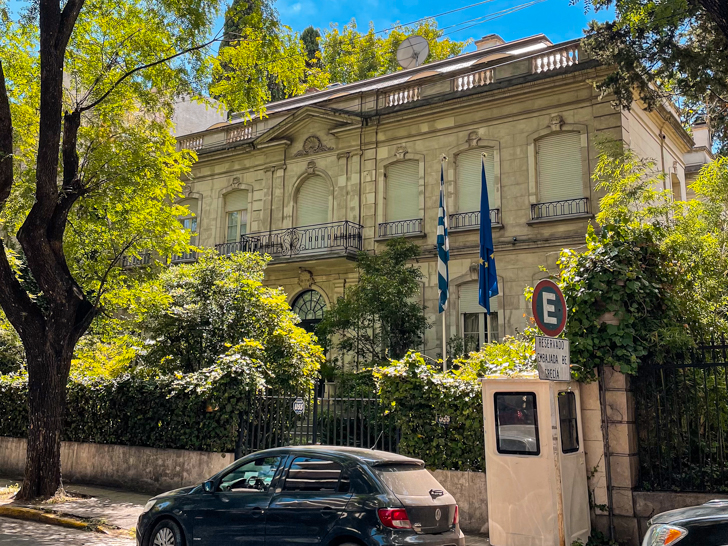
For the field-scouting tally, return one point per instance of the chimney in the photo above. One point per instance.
(488, 42)
(701, 135)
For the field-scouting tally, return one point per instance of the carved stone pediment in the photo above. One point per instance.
(312, 145)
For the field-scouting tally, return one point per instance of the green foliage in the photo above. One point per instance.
(417, 394)
(12, 357)
(196, 411)
(192, 314)
(380, 316)
(673, 49)
(349, 55)
(355, 384)
(597, 538)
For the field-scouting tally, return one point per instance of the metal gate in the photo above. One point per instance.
(275, 419)
(682, 421)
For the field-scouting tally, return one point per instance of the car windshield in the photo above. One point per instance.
(408, 480)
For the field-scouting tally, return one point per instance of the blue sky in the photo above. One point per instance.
(554, 18)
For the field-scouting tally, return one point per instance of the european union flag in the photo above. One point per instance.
(487, 277)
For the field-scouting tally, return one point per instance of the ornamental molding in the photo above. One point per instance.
(401, 152)
(312, 145)
(556, 122)
(473, 139)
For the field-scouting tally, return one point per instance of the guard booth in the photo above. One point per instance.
(534, 459)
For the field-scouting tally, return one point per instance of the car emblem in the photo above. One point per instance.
(438, 514)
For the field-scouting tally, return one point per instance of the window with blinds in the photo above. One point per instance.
(469, 183)
(558, 157)
(403, 191)
(469, 300)
(477, 327)
(312, 203)
(236, 215)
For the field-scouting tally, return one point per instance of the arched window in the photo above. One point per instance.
(189, 221)
(236, 215)
(309, 306)
(558, 157)
(312, 203)
(403, 191)
(477, 327)
(469, 174)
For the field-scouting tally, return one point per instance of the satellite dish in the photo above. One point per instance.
(412, 52)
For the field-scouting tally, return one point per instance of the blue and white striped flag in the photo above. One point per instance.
(443, 245)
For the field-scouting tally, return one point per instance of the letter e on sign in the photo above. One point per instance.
(549, 307)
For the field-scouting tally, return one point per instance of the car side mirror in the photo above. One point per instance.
(209, 486)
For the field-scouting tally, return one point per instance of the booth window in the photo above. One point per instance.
(516, 423)
(567, 418)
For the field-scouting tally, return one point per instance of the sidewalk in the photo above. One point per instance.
(122, 508)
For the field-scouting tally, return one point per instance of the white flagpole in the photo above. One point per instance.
(444, 312)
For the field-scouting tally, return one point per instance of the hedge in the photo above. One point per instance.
(197, 411)
(418, 394)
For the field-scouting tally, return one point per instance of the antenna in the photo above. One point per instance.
(412, 52)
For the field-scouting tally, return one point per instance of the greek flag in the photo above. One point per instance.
(443, 245)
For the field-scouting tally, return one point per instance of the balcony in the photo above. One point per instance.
(560, 209)
(300, 242)
(401, 228)
(185, 258)
(128, 262)
(462, 221)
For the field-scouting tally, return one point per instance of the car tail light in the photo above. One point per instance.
(456, 517)
(394, 518)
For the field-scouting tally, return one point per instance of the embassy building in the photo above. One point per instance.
(334, 172)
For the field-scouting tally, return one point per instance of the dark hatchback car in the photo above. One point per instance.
(333, 496)
(704, 525)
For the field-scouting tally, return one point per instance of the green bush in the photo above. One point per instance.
(417, 394)
(196, 411)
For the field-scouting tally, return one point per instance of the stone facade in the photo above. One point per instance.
(351, 136)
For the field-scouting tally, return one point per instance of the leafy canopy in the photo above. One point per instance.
(675, 50)
(380, 316)
(194, 315)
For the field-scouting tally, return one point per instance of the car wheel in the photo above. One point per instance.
(166, 533)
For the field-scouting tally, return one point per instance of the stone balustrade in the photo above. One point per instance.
(553, 60)
(474, 79)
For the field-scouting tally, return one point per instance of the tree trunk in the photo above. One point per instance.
(47, 407)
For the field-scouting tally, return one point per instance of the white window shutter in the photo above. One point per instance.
(403, 191)
(191, 204)
(236, 200)
(312, 203)
(469, 183)
(469, 299)
(559, 167)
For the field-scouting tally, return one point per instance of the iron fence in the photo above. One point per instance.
(566, 207)
(462, 220)
(400, 227)
(276, 419)
(682, 421)
(318, 238)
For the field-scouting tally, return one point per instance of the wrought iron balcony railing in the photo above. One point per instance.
(400, 227)
(133, 261)
(554, 209)
(184, 258)
(462, 220)
(286, 243)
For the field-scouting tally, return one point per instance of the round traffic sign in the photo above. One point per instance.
(549, 307)
(299, 406)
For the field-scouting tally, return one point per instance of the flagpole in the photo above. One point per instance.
(444, 312)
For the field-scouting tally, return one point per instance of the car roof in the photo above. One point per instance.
(371, 457)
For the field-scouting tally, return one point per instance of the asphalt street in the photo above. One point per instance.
(27, 533)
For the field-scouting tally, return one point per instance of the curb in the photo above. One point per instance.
(29, 514)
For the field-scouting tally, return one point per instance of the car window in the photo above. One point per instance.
(516, 423)
(310, 474)
(408, 480)
(252, 476)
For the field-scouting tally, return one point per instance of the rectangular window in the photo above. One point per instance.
(567, 420)
(516, 423)
(236, 225)
(256, 475)
(559, 167)
(471, 332)
(307, 474)
(478, 328)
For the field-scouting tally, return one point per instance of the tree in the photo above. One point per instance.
(218, 302)
(310, 38)
(675, 50)
(89, 173)
(349, 55)
(380, 317)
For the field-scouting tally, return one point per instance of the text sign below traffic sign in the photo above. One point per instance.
(553, 359)
(549, 307)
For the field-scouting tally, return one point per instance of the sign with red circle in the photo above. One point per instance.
(549, 307)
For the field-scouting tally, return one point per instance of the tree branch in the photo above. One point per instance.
(67, 22)
(144, 67)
